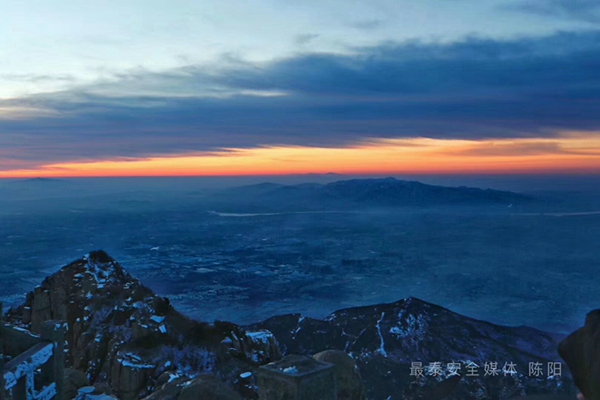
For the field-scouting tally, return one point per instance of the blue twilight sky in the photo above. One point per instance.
(97, 80)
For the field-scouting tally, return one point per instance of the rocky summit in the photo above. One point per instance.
(126, 342)
(129, 341)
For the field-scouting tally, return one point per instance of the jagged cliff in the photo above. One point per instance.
(124, 335)
(132, 343)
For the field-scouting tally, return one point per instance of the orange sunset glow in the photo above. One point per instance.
(573, 153)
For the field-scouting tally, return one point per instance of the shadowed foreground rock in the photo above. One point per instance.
(349, 382)
(74, 380)
(204, 387)
(581, 351)
(546, 397)
(207, 387)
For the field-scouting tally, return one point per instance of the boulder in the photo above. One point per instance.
(165, 377)
(168, 392)
(349, 382)
(74, 380)
(129, 376)
(92, 393)
(169, 387)
(103, 388)
(259, 346)
(207, 387)
(581, 352)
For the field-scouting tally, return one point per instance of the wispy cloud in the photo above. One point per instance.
(368, 24)
(473, 89)
(36, 78)
(584, 10)
(306, 38)
(525, 147)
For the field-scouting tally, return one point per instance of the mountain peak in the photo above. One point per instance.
(121, 333)
(99, 256)
(94, 273)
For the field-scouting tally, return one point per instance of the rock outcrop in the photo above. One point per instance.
(122, 334)
(207, 387)
(260, 346)
(74, 380)
(350, 385)
(203, 387)
(581, 351)
(394, 345)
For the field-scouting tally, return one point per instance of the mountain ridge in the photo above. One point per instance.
(394, 335)
(123, 335)
(353, 193)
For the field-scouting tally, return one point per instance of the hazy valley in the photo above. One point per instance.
(245, 254)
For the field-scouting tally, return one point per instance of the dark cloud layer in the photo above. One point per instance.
(475, 89)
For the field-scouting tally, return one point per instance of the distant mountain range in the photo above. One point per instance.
(360, 193)
(35, 180)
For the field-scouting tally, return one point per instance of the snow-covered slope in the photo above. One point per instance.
(386, 339)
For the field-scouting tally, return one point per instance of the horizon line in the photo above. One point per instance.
(332, 174)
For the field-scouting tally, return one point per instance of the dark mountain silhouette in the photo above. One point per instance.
(359, 193)
(39, 180)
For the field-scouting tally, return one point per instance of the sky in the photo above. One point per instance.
(188, 88)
